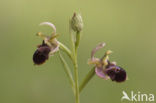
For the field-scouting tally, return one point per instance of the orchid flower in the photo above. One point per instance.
(106, 69)
(49, 46)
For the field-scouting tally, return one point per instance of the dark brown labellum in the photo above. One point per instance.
(41, 54)
(116, 73)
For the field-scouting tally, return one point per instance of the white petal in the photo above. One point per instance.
(49, 24)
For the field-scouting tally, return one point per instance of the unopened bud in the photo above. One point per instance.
(76, 22)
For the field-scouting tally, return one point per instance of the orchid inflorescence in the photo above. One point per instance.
(103, 67)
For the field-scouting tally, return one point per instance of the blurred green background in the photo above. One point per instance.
(127, 26)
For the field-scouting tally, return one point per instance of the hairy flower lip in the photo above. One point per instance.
(41, 54)
(113, 72)
(116, 73)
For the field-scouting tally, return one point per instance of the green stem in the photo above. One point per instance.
(88, 77)
(68, 72)
(72, 39)
(76, 45)
(76, 81)
(76, 67)
(77, 41)
(66, 50)
(74, 54)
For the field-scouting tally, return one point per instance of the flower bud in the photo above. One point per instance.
(76, 22)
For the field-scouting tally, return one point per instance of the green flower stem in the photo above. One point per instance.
(66, 50)
(76, 67)
(74, 47)
(88, 77)
(72, 41)
(77, 41)
(76, 80)
(68, 72)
